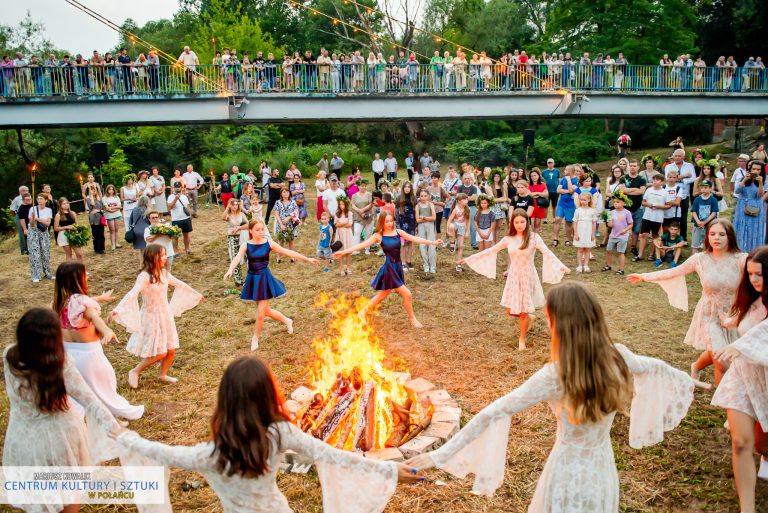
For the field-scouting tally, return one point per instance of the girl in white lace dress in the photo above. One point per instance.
(153, 331)
(43, 429)
(523, 292)
(719, 267)
(743, 392)
(587, 382)
(242, 459)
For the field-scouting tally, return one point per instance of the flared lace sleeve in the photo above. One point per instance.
(673, 281)
(552, 269)
(480, 448)
(194, 457)
(351, 484)
(753, 345)
(99, 420)
(77, 306)
(484, 262)
(126, 313)
(184, 297)
(662, 396)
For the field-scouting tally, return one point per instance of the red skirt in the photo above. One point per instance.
(319, 207)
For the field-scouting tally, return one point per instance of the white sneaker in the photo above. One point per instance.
(367, 251)
(587, 269)
(254, 343)
(433, 271)
(762, 472)
(405, 268)
(425, 269)
(579, 269)
(35, 280)
(289, 325)
(380, 253)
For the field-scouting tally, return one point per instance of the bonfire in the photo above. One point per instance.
(358, 403)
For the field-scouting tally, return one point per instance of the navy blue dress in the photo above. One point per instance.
(259, 282)
(390, 275)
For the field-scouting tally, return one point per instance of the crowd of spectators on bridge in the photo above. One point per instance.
(229, 70)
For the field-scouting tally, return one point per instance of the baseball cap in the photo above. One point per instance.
(334, 179)
(705, 183)
(550, 160)
(743, 156)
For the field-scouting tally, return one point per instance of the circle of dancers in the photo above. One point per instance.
(59, 381)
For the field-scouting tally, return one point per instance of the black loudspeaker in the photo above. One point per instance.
(529, 134)
(99, 153)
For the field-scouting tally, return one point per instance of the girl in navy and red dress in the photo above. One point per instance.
(539, 192)
(390, 276)
(406, 221)
(260, 285)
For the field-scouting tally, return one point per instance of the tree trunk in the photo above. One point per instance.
(415, 129)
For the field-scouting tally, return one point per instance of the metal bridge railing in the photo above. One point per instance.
(149, 81)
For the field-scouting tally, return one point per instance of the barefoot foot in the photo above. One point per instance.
(167, 379)
(416, 324)
(521, 344)
(289, 325)
(254, 343)
(133, 378)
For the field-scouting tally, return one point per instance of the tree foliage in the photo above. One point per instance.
(642, 29)
(733, 27)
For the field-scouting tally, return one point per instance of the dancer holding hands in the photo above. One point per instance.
(743, 392)
(523, 292)
(719, 267)
(260, 286)
(390, 276)
(588, 380)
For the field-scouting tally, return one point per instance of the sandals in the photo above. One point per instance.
(620, 272)
(555, 243)
(606, 268)
(567, 243)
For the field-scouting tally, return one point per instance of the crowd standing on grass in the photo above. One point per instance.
(660, 210)
(232, 70)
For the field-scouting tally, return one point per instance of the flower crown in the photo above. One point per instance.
(699, 154)
(655, 158)
(713, 163)
(490, 199)
(129, 176)
(497, 171)
(617, 194)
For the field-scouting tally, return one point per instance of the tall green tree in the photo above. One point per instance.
(733, 27)
(642, 29)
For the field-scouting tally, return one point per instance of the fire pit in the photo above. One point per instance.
(355, 402)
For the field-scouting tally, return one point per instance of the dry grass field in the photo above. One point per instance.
(467, 346)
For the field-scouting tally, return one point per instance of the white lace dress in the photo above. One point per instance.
(523, 292)
(152, 328)
(580, 474)
(35, 438)
(351, 484)
(720, 278)
(744, 386)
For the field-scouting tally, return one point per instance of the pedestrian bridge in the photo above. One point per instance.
(44, 97)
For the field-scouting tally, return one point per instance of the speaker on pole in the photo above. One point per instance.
(99, 153)
(529, 134)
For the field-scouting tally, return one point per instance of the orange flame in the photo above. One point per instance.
(352, 344)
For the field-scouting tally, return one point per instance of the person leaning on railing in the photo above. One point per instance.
(189, 60)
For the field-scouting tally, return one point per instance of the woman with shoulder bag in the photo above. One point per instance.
(96, 219)
(361, 205)
(297, 189)
(749, 216)
(39, 240)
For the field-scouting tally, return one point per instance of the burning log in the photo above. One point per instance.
(426, 420)
(401, 418)
(365, 427)
(339, 413)
(310, 415)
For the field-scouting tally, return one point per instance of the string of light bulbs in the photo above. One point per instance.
(440, 39)
(136, 40)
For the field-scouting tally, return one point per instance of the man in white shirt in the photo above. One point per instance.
(687, 174)
(189, 60)
(337, 164)
(391, 164)
(739, 173)
(330, 195)
(14, 208)
(178, 205)
(194, 182)
(378, 170)
(409, 165)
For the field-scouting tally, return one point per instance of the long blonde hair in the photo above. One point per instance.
(593, 374)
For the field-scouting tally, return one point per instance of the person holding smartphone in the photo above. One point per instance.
(178, 205)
